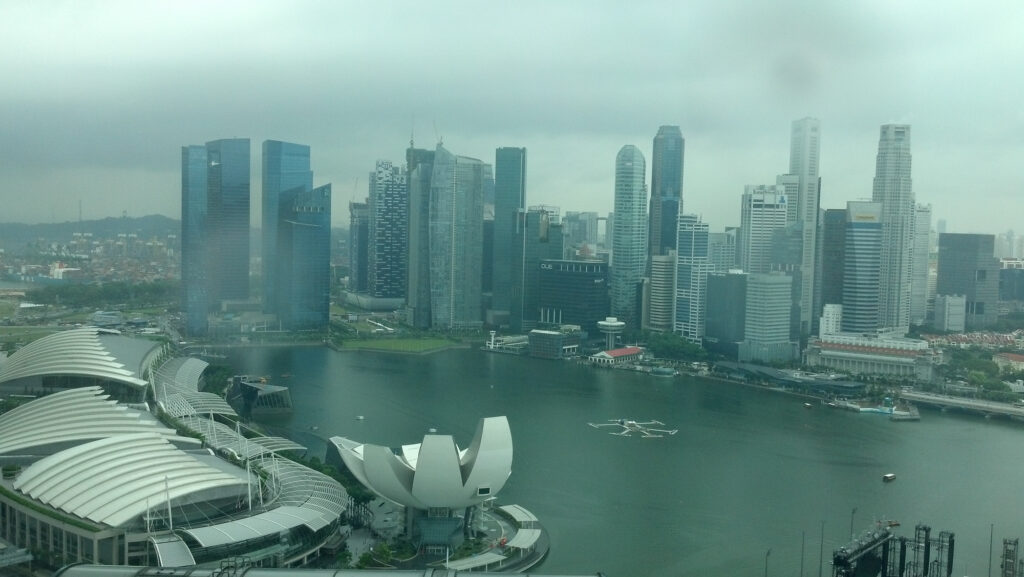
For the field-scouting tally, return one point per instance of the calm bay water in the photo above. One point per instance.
(749, 470)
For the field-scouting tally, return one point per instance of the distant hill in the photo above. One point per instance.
(14, 236)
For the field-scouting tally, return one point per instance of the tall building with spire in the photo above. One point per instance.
(804, 153)
(666, 188)
(893, 189)
(629, 234)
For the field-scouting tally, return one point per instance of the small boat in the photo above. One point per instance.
(888, 477)
(360, 417)
(807, 405)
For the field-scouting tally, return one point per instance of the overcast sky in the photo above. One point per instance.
(97, 98)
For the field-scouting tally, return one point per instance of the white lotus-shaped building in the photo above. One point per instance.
(435, 473)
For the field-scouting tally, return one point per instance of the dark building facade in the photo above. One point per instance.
(725, 314)
(419, 167)
(358, 246)
(538, 236)
(967, 266)
(509, 200)
(304, 248)
(574, 292)
(831, 243)
(666, 188)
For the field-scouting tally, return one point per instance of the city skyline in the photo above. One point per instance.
(85, 70)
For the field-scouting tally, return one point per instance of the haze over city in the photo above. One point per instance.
(100, 96)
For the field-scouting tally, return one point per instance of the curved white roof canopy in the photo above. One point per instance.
(80, 352)
(435, 473)
(117, 479)
(74, 415)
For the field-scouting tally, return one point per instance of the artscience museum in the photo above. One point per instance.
(440, 485)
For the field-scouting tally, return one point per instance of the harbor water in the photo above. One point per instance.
(749, 470)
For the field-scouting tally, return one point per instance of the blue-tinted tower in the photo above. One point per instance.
(304, 248)
(285, 172)
(195, 297)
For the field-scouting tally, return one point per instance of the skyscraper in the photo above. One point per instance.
(388, 233)
(304, 254)
(661, 292)
(285, 173)
(862, 247)
(968, 267)
(919, 264)
(629, 235)
(832, 243)
(509, 200)
(358, 246)
(456, 239)
(893, 189)
(214, 227)
(767, 322)
(420, 168)
(763, 212)
(804, 151)
(538, 236)
(692, 267)
(195, 297)
(228, 217)
(666, 188)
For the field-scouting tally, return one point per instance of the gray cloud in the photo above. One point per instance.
(101, 95)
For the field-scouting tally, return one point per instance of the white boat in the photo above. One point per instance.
(888, 477)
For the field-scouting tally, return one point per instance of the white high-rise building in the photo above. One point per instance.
(804, 152)
(763, 211)
(692, 267)
(893, 189)
(629, 235)
(661, 292)
(919, 270)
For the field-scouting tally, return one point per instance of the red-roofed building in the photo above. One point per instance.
(1009, 362)
(618, 356)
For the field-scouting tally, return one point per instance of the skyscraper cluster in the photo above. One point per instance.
(216, 226)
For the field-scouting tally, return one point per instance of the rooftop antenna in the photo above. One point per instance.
(412, 131)
(438, 137)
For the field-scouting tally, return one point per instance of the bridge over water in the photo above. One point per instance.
(987, 408)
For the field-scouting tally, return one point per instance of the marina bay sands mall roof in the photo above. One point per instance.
(87, 352)
(106, 472)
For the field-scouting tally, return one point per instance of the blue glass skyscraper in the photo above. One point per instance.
(304, 249)
(285, 173)
(195, 298)
(509, 200)
(228, 218)
(666, 188)
(214, 227)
